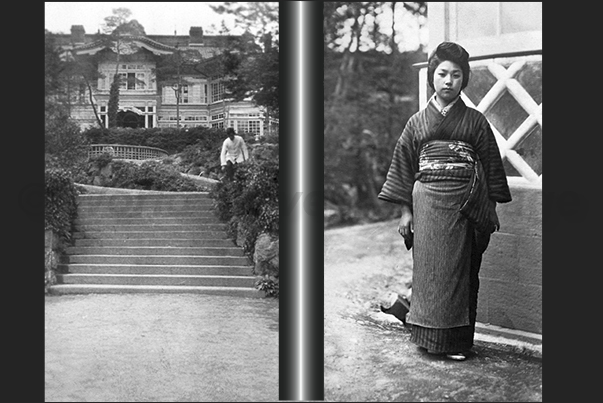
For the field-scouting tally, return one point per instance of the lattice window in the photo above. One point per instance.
(513, 105)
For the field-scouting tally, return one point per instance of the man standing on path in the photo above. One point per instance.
(234, 150)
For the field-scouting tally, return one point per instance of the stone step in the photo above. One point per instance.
(157, 279)
(159, 260)
(150, 227)
(62, 289)
(155, 269)
(145, 203)
(150, 235)
(153, 243)
(145, 196)
(110, 213)
(217, 243)
(146, 208)
(147, 221)
(153, 250)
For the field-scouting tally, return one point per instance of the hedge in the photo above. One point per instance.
(60, 208)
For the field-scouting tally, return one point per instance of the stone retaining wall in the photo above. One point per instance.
(511, 274)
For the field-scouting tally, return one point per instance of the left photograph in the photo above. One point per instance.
(161, 201)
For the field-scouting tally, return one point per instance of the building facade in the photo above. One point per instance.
(504, 41)
(189, 100)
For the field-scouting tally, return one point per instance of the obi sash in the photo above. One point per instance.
(457, 160)
(446, 159)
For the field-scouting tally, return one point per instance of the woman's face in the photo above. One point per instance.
(447, 81)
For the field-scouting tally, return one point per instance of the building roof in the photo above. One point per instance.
(207, 45)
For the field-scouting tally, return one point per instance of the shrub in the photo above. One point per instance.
(268, 284)
(150, 175)
(64, 145)
(60, 208)
(250, 201)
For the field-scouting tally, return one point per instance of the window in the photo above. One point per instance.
(204, 93)
(250, 126)
(217, 117)
(123, 81)
(242, 126)
(218, 124)
(254, 126)
(132, 81)
(217, 91)
(140, 81)
(184, 94)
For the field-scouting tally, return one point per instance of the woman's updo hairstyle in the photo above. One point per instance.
(452, 52)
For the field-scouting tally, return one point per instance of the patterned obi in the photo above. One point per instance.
(456, 160)
(446, 159)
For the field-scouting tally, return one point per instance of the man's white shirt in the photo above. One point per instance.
(233, 150)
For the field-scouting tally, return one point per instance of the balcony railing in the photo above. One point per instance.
(121, 151)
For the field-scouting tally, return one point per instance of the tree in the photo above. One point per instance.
(252, 62)
(114, 28)
(53, 65)
(66, 73)
(257, 18)
(366, 75)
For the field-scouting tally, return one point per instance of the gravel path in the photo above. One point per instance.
(160, 347)
(368, 355)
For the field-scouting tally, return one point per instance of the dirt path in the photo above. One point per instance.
(160, 347)
(369, 357)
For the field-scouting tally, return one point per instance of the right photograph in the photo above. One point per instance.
(433, 201)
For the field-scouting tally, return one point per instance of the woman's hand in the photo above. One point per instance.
(494, 216)
(406, 227)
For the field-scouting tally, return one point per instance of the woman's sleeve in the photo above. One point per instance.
(498, 188)
(401, 175)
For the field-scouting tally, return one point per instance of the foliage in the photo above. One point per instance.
(53, 65)
(64, 145)
(250, 205)
(369, 25)
(250, 201)
(150, 175)
(268, 284)
(253, 74)
(113, 103)
(68, 79)
(251, 62)
(363, 123)
(114, 27)
(120, 17)
(370, 91)
(258, 18)
(60, 207)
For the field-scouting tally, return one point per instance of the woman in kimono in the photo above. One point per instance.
(447, 175)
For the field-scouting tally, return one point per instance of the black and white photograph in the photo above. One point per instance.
(433, 201)
(167, 214)
(161, 213)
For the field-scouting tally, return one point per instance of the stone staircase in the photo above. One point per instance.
(152, 242)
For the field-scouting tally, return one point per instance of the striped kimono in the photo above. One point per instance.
(447, 168)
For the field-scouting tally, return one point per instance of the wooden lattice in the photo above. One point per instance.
(507, 83)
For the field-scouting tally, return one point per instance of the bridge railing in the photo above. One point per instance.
(129, 152)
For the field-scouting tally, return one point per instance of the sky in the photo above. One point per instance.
(156, 18)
